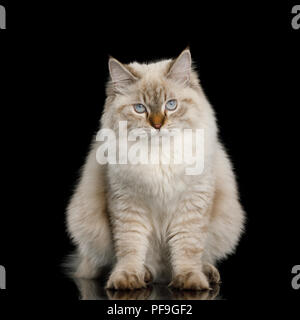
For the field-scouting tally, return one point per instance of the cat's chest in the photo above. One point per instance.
(156, 178)
(151, 181)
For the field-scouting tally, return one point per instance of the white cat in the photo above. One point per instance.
(153, 222)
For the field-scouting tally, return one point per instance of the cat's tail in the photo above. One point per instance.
(70, 264)
(76, 266)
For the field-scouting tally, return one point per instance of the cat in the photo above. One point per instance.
(153, 222)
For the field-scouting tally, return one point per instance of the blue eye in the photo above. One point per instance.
(139, 108)
(171, 105)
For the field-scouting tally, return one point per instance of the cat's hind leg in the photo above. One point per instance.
(227, 217)
(88, 223)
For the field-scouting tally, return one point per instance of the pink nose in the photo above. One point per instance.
(157, 125)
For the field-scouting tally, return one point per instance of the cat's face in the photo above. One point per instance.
(153, 96)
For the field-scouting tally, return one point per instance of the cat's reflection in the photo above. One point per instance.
(93, 290)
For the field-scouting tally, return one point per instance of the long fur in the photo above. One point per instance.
(154, 222)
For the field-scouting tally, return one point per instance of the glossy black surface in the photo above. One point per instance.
(93, 290)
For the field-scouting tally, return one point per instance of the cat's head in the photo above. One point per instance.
(157, 95)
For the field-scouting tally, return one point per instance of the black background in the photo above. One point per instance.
(53, 71)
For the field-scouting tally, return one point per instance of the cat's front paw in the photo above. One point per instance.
(124, 280)
(190, 281)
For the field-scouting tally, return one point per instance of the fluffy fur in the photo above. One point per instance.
(153, 222)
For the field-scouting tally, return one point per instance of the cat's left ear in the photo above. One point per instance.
(181, 68)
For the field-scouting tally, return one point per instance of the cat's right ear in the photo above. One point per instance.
(119, 74)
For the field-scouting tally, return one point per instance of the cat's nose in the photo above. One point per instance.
(157, 120)
(157, 125)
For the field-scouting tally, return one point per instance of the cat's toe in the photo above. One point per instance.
(212, 273)
(148, 276)
(190, 281)
(123, 280)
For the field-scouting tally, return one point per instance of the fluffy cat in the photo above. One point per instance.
(153, 222)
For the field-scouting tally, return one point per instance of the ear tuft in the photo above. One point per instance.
(120, 75)
(181, 68)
